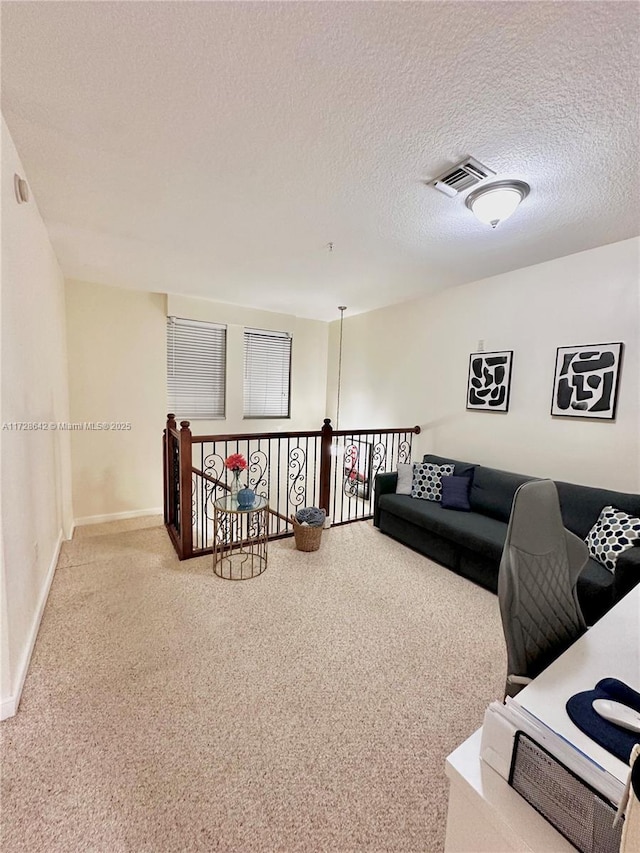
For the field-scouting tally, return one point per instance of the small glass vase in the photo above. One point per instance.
(236, 485)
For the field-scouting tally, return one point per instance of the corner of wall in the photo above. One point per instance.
(35, 498)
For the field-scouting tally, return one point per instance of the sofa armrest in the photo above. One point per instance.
(383, 484)
(627, 573)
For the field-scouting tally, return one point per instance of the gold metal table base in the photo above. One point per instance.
(240, 538)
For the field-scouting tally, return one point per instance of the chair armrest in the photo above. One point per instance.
(514, 684)
(383, 484)
(627, 573)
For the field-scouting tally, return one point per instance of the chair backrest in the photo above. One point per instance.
(540, 565)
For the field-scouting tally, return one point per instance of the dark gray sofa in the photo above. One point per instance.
(470, 543)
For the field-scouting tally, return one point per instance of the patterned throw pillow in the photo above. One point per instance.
(427, 480)
(613, 533)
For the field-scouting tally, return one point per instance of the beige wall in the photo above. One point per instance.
(408, 364)
(117, 356)
(117, 363)
(36, 490)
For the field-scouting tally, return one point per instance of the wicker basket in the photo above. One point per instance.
(307, 538)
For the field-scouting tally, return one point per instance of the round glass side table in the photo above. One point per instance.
(240, 538)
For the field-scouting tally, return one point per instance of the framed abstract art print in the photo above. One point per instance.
(585, 383)
(489, 383)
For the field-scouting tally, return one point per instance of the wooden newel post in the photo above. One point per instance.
(186, 528)
(325, 465)
(167, 478)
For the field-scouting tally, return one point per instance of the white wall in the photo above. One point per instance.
(117, 358)
(408, 364)
(36, 492)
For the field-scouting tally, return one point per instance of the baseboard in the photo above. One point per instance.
(116, 516)
(9, 706)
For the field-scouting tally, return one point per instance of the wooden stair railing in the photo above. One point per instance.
(292, 469)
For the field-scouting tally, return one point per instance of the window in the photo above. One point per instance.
(267, 374)
(196, 366)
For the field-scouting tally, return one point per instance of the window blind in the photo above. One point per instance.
(267, 374)
(196, 368)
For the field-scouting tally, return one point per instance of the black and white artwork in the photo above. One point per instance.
(585, 384)
(489, 381)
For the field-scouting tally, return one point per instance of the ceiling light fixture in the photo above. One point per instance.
(495, 202)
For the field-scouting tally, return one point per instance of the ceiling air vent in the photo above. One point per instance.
(466, 174)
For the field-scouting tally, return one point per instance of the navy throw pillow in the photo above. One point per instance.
(455, 493)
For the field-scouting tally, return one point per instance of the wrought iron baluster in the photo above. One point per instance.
(314, 462)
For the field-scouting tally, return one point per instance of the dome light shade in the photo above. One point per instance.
(496, 202)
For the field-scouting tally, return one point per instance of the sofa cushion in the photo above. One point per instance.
(582, 505)
(469, 530)
(615, 531)
(595, 591)
(627, 573)
(492, 491)
(460, 469)
(415, 511)
(427, 480)
(479, 533)
(455, 493)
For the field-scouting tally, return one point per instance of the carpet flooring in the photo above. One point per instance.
(308, 709)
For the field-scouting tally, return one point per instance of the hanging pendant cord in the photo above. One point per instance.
(341, 309)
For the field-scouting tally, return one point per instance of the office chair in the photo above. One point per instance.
(540, 564)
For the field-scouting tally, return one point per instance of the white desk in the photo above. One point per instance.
(610, 649)
(487, 816)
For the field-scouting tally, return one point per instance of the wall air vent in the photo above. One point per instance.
(466, 174)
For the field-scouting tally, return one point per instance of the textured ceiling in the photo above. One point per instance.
(216, 148)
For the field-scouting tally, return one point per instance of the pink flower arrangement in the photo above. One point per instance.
(236, 462)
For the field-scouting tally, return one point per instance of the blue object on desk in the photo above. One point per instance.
(246, 498)
(615, 739)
